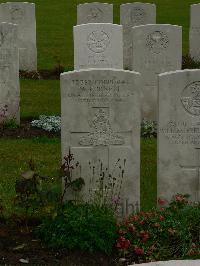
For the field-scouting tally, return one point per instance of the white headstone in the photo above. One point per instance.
(134, 14)
(156, 49)
(172, 263)
(195, 32)
(94, 13)
(9, 73)
(101, 123)
(179, 134)
(23, 14)
(98, 45)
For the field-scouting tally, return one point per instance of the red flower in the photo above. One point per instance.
(132, 228)
(162, 218)
(142, 222)
(180, 198)
(123, 243)
(144, 235)
(162, 202)
(134, 218)
(139, 251)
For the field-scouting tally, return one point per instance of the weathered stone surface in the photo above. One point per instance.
(23, 14)
(9, 73)
(134, 14)
(172, 263)
(94, 13)
(101, 124)
(179, 134)
(98, 46)
(195, 32)
(156, 49)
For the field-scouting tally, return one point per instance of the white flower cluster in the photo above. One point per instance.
(148, 128)
(53, 124)
(48, 123)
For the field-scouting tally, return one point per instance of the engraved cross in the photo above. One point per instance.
(196, 167)
(101, 134)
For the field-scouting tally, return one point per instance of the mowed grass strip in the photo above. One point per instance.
(14, 158)
(15, 155)
(55, 21)
(40, 97)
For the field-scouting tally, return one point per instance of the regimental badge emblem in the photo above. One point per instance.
(138, 16)
(157, 41)
(17, 14)
(95, 15)
(101, 132)
(190, 98)
(98, 41)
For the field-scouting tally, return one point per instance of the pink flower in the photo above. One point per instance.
(132, 228)
(123, 243)
(139, 251)
(162, 218)
(162, 202)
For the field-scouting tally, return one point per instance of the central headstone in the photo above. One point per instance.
(23, 14)
(98, 46)
(9, 74)
(156, 49)
(179, 134)
(94, 13)
(134, 14)
(195, 32)
(101, 125)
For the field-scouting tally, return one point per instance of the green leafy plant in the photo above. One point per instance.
(171, 232)
(148, 129)
(83, 226)
(66, 172)
(33, 199)
(29, 198)
(107, 184)
(10, 123)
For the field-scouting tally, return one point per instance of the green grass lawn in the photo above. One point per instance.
(40, 97)
(56, 18)
(15, 155)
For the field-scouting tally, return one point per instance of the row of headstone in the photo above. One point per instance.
(131, 15)
(135, 14)
(101, 125)
(17, 52)
(156, 49)
(9, 73)
(23, 15)
(104, 102)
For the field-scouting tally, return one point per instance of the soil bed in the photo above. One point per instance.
(25, 131)
(17, 243)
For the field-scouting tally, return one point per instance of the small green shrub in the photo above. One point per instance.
(10, 123)
(168, 233)
(84, 227)
(148, 129)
